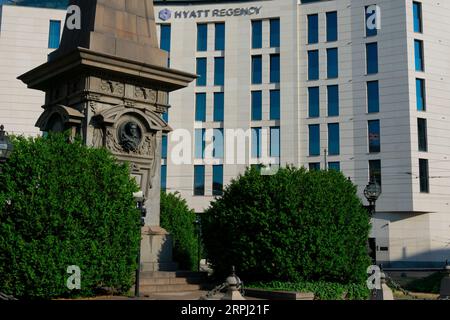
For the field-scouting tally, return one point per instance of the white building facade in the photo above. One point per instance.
(308, 83)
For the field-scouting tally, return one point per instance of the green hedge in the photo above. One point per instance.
(291, 226)
(179, 220)
(64, 204)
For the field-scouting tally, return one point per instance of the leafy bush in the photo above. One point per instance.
(429, 284)
(322, 290)
(179, 220)
(291, 226)
(64, 204)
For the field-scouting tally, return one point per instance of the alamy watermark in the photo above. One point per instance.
(74, 281)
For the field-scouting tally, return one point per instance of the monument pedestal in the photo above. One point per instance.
(156, 250)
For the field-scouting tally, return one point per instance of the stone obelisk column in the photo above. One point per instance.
(109, 83)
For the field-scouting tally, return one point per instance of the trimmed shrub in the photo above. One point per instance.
(64, 204)
(179, 220)
(292, 226)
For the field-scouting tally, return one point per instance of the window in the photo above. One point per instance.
(166, 31)
(314, 166)
(313, 65)
(373, 97)
(200, 143)
(200, 107)
(275, 105)
(218, 140)
(165, 116)
(334, 166)
(256, 69)
(333, 100)
(422, 134)
(274, 68)
(332, 26)
(199, 180)
(332, 63)
(372, 57)
(314, 102)
(54, 34)
(201, 72)
(371, 21)
(274, 33)
(418, 52)
(333, 139)
(313, 28)
(220, 37)
(314, 140)
(256, 143)
(164, 147)
(424, 176)
(219, 71)
(420, 95)
(219, 106)
(163, 177)
(256, 105)
(275, 142)
(375, 171)
(257, 34)
(217, 187)
(374, 136)
(417, 11)
(202, 37)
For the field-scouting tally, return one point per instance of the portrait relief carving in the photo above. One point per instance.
(130, 136)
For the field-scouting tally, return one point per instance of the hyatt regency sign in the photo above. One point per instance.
(166, 14)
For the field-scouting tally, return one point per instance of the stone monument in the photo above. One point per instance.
(108, 82)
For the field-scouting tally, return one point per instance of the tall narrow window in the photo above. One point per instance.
(217, 187)
(417, 11)
(374, 136)
(375, 171)
(201, 72)
(314, 140)
(332, 26)
(333, 139)
(164, 146)
(219, 71)
(333, 100)
(418, 52)
(313, 65)
(372, 58)
(199, 180)
(314, 102)
(424, 176)
(200, 143)
(420, 95)
(164, 177)
(371, 21)
(257, 34)
(275, 105)
(54, 34)
(256, 105)
(373, 97)
(274, 33)
(165, 39)
(274, 68)
(200, 107)
(256, 143)
(422, 134)
(275, 142)
(202, 37)
(332, 63)
(336, 166)
(313, 28)
(219, 36)
(218, 146)
(219, 106)
(256, 69)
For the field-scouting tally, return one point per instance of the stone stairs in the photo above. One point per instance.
(152, 282)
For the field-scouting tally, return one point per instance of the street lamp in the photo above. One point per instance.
(6, 147)
(372, 193)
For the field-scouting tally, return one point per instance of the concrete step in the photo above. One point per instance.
(148, 289)
(170, 274)
(170, 281)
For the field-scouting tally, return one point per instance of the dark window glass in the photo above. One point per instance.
(219, 106)
(200, 107)
(372, 58)
(314, 140)
(163, 178)
(256, 142)
(417, 10)
(314, 102)
(274, 33)
(165, 116)
(375, 171)
(217, 188)
(274, 68)
(371, 21)
(219, 71)
(313, 28)
(420, 95)
(332, 26)
(422, 134)
(275, 105)
(164, 147)
(424, 176)
(257, 34)
(201, 72)
(256, 105)
(374, 136)
(202, 37)
(334, 166)
(199, 180)
(314, 166)
(54, 34)
(313, 65)
(333, 101)
(332, 63)
(220, 36)
(373, 97)
(166, 31)
(256, 69)
(418, 51)
(333, 139)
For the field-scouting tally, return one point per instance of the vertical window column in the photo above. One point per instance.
(313, 65)
(332, 26)
(201, 72)
(219, 71)
(217, 188)
(372, 57)
(256, 105)
(257, 34)
(219, 106)
(314, 140)
(333, 100)
(200, 107)
(313, 28)
(256, 69)
(202, 37)
(199, 180)
(274, 33)
(54, 34)
(314, 102)
(424, 176)
(333, 139)
(275, 105)
(219, 37)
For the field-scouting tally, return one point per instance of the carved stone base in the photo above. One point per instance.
(156, 250)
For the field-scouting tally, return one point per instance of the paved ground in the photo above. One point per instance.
(193, 295)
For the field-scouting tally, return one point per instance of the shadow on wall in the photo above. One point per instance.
(430, 259)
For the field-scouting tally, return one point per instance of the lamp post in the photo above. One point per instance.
(372, 192)
(6, 147)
